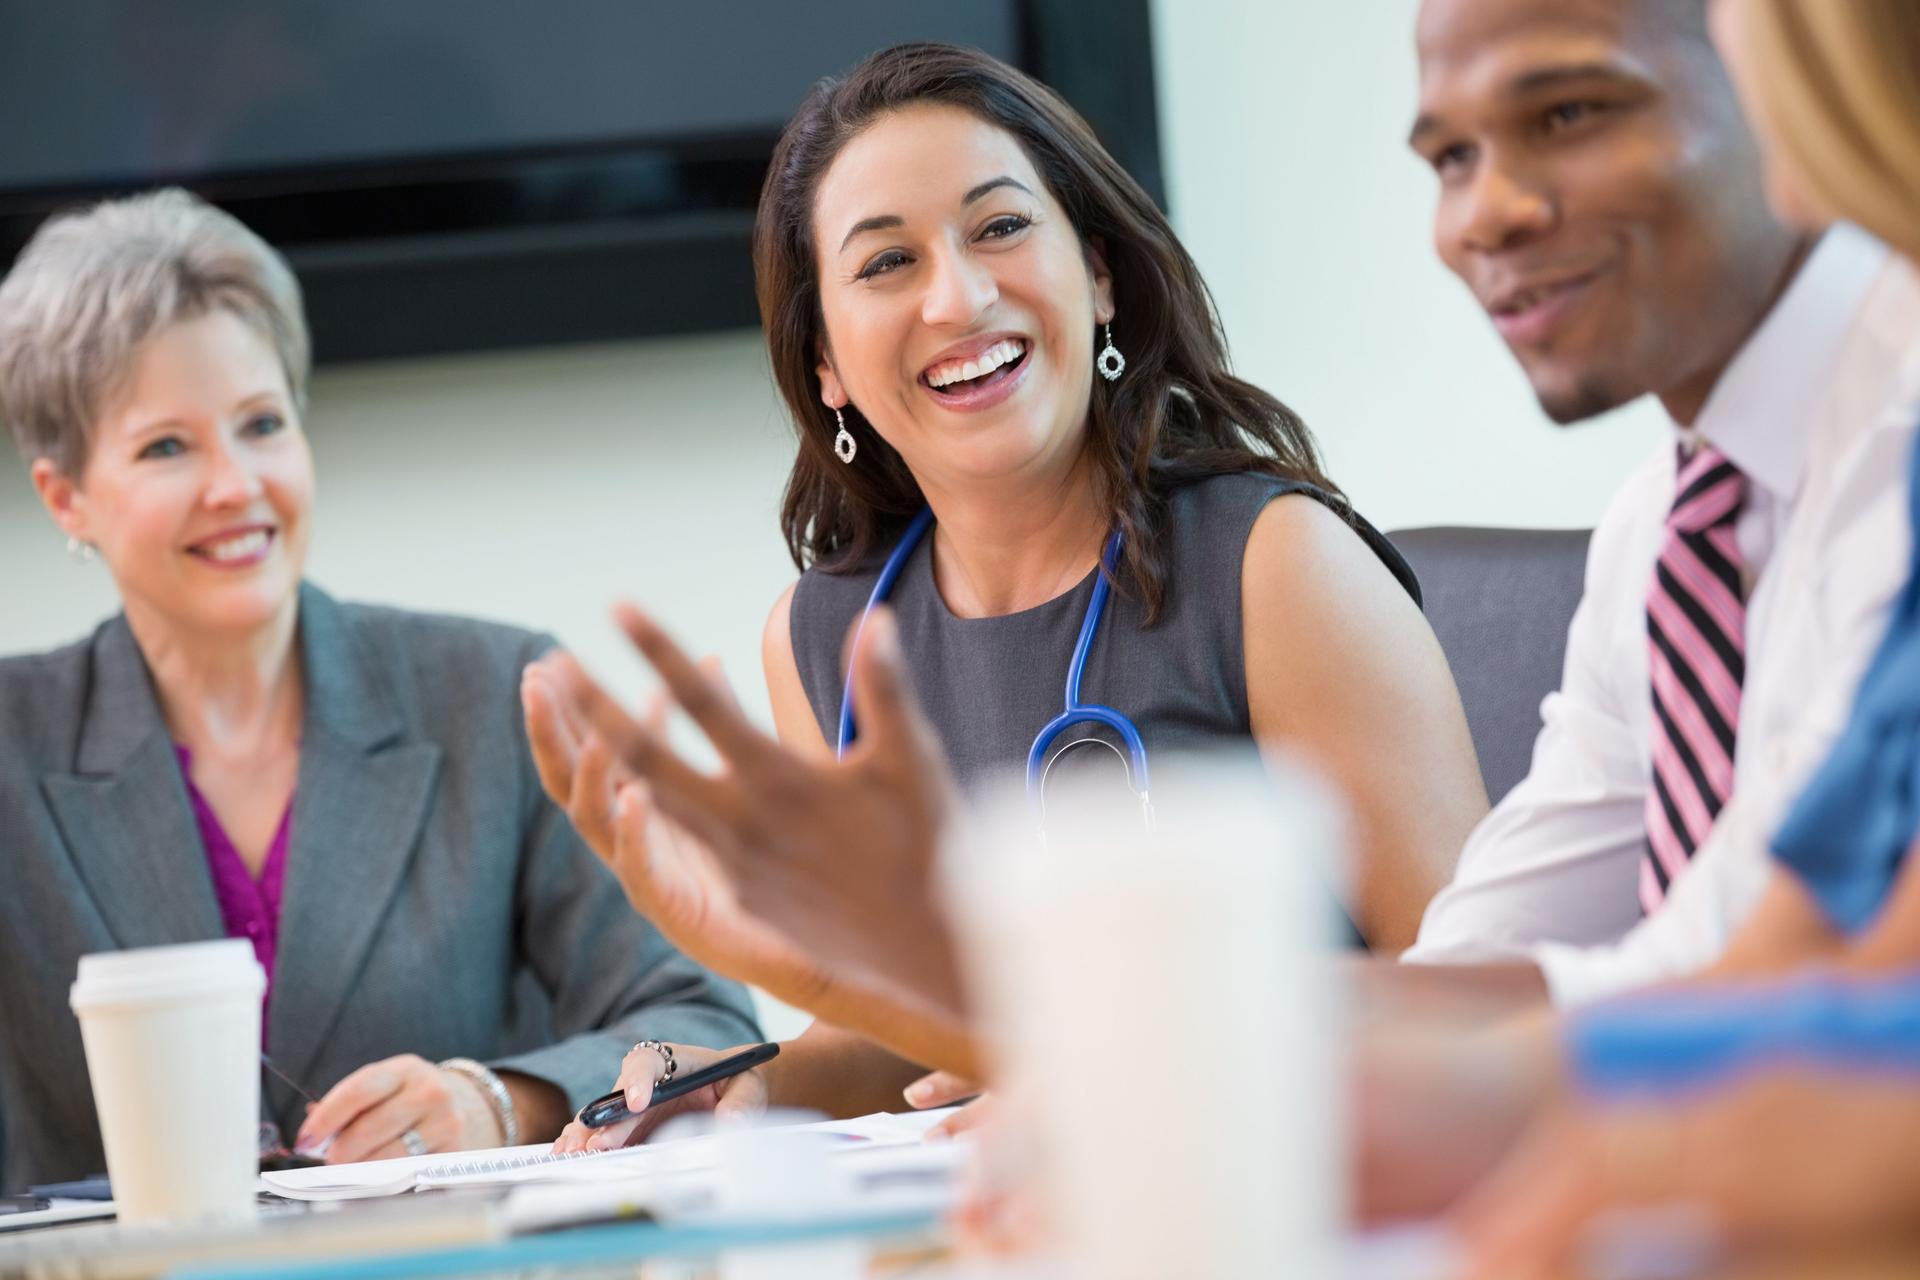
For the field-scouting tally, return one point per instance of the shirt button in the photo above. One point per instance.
(253, 930)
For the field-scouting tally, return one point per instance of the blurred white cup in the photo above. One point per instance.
(173, 1050)
(1162, 1001)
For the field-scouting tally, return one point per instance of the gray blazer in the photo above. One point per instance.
(428, 879)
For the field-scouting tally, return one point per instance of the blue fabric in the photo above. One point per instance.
(1678, 1040)
(1849, 831)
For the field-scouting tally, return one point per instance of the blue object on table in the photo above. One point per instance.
(1677, 1040)
(1849, 832)
(94, 1188)
(593, 1246)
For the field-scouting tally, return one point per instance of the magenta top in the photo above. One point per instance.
(250, 908)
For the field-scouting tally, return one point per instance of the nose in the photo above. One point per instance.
(959, 290)
(230, 480)
(1502, 207)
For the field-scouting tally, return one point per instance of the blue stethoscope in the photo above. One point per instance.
(1076, 711)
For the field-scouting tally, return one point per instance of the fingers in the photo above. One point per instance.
(702, 695)
(889, 713)
(643, 753)
(743, 1096)
(939, 1089)
(640, 1070)
(632, 859)
(572, 1138)
(646, 854)
(365, 1088)
(423, 1103)
(640, 1091)
(608, 1137)
(976, 1114)
(715, 674)
(438, 1134)
(552, 738)
(589, 804)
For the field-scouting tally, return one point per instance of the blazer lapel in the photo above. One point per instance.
(124, 811)
(364, 794)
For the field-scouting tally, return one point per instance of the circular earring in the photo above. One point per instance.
(1110, 362)
(81, 551)
(844, 445)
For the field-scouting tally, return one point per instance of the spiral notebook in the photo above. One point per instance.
(538, 1163)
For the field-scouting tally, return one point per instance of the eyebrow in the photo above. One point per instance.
(1532, 82)
(992, 184)
(262, 396)
(883, 222)
(888, 221)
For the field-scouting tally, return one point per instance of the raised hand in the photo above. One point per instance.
(678, 881)
(668, 876)
(835, 856)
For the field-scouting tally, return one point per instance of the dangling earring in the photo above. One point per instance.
(844, 445)
(1110, 362)
(81, 551)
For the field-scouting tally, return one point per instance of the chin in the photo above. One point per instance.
(244, 608)
(1011, 446)
(1576, 398)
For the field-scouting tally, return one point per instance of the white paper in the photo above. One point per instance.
(538, 1163)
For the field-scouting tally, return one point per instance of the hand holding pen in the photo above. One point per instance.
(727, 1082)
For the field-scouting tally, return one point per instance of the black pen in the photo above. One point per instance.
(612, 1108)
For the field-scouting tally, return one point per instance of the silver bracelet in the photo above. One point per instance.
(496, 1094)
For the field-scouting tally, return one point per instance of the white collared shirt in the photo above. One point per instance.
(1818, 409)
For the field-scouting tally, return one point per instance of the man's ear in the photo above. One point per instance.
(1102, 280)
(61, 496)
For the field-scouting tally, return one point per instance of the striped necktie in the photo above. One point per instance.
(1696, 631)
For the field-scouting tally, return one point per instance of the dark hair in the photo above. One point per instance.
(1177, 414)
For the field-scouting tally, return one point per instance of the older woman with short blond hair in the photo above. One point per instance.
(237, 754)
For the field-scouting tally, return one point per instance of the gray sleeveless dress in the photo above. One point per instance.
(990, 684)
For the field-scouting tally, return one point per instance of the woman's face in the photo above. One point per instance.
(960, 304)
(1786, 191)
(198, 487)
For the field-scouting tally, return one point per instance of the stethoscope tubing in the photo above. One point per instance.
(1074, 711)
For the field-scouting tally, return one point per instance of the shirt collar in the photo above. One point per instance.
(1764, 409)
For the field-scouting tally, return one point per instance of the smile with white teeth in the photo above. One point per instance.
(948, 372)
(238, 547)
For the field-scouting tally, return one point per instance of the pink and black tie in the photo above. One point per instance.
(1696, 631)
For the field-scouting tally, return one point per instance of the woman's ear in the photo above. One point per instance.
(832, 394)
(1102, 280)
(62, 498)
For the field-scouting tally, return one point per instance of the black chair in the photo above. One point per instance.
(1500, 601)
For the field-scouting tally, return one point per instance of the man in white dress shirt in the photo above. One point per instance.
(1603, 199)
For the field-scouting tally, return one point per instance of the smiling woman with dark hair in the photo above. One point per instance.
(1018, 424)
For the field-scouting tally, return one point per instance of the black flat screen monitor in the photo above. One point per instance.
(456, 175)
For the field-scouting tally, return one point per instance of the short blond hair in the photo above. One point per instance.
(94, 284)
(1839, 89)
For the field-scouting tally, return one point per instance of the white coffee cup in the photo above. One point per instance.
(173, 1050)
(1160, 1003)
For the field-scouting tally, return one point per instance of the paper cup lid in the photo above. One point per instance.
(147, 974)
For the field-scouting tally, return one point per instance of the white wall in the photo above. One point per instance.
(1284, 126)
(535, 487)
